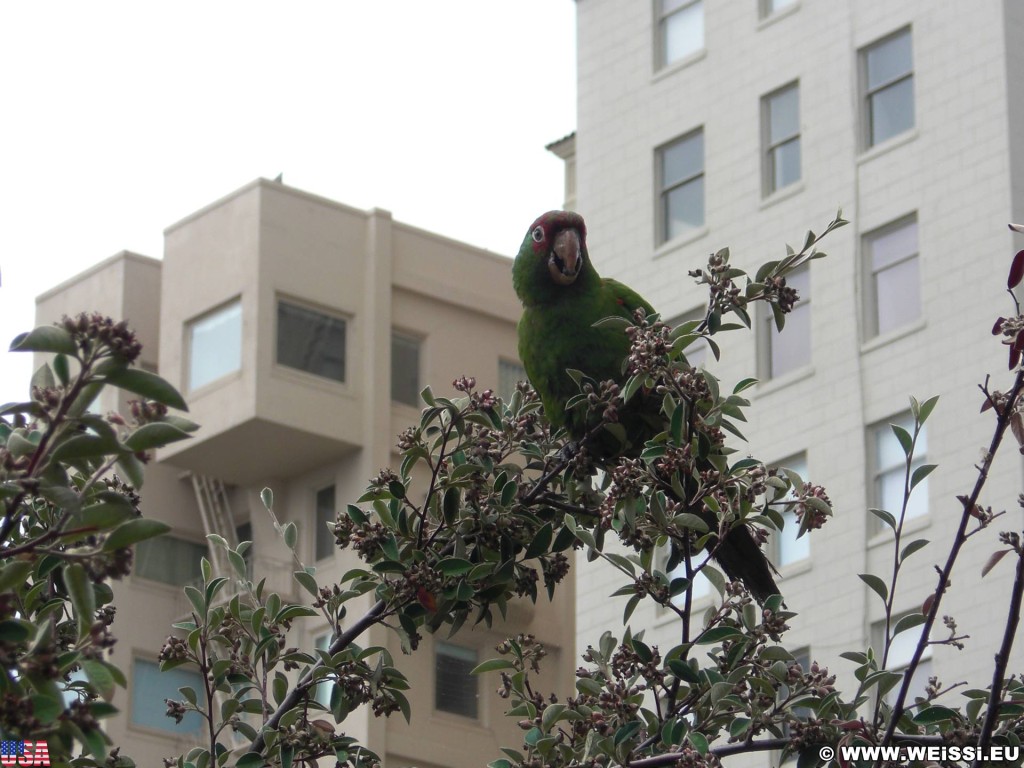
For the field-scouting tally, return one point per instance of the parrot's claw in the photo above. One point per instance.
(568, 452)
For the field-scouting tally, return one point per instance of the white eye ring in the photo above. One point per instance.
(537, 234)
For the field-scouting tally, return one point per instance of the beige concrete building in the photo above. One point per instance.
(712, 123)
(300, 332)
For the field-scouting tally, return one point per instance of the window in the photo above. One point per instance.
(893, 266)
(405, 369)
(311, 341)
(325, 516)
(701, 585)
(322, 692)
(215, 345)
(509, 374)
(789, 349)
(681, 171)
(900, 653)
(150, 687)
(455, 690)
(888, 76)
(890, 465)
(170, 560)
(780, 115)
(788, 548)
(680, 29)
(769, 7)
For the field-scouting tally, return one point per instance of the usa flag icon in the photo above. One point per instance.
(24, 753)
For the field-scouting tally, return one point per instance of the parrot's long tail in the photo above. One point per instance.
(743, 560)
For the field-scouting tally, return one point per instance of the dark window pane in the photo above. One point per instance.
(892, 111)
(405, 369)
(786, 164)
(898, 296)
(684, 208)
(791, 349)
(889, 60)
(682, 160)
(215, 345)
(509, 374)
(894, 245)
(170, 560)
(455, 690)
(311, 341)
(325, 516)
(783, 115)
(682, 32)
(149, 688)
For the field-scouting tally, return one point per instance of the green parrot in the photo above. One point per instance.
(563, 297)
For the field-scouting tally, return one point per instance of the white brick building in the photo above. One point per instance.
(707, 123)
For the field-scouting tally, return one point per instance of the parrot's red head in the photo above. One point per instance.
(553, 255)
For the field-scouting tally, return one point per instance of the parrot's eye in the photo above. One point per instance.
(537, 234)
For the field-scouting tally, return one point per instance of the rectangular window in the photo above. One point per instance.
(170, 560)
(780, 113)
(889, 467)
(323, 691)
(893, 274)
(150, 687)
(680, 29)
(455, 690)
(769, 7)
(311, 341)
(405, 369)
(509, 374)
(789, 349)
(901, 651)
(887, 74)
(215, 345)
(788, 548)
(681, 175)
(325, 516)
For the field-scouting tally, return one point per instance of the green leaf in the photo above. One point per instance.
(717, 634)
(909, 621)
(454, 566)
(491, 665)
(920, 474)
(83, 599)
(926, 408)
(99, 677)
(61, 369)
(912, 547)
(291, 535)
(876, 584)
(935, 714)
(251, 760)
(885, 517)
(267, 497)
(154, 435)
(904, 438)
(308, 582)
(132, 469)
(85, 447)
(149, 385)
(134, 531)
(46, 338)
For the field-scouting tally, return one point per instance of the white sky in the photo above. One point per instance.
(119, 118)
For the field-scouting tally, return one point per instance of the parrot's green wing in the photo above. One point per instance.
(628, 299)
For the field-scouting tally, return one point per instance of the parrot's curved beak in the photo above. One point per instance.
(566, 257)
